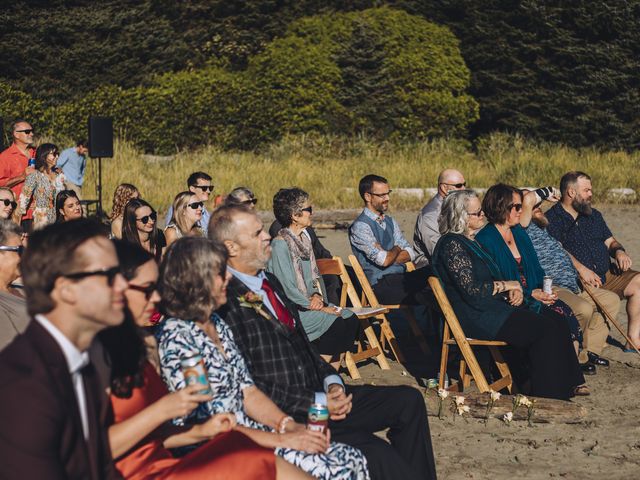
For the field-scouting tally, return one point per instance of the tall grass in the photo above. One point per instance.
(329, 168)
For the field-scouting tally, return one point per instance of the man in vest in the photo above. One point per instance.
(378, 244)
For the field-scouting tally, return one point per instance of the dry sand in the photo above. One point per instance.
(605, 445)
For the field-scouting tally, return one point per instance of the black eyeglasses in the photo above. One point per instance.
(308, 209)
(205, 188)
(247, 202)
(153, 216)
(28, 131)
(110, 273)
(148, 290)
(196, 205)
(478, 214)
(18, 249)
(386, 194)
(9, 202)
(517, 206)
(457, 185)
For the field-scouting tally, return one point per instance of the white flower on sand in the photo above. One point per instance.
(495, 396)
(525, 401)
(462, 409)
(459, 400)
(442, 393)
(507, 417)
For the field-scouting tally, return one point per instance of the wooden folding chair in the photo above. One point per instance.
(386, 333)
(469, 361)
(335, 266)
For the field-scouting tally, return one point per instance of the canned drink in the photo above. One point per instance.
(195, 373)
(432, 383)
(547, 283)
(318, 418)
(32, 162)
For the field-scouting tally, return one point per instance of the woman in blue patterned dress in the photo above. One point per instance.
(192, 285)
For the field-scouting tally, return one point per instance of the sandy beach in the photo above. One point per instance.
(605, 445)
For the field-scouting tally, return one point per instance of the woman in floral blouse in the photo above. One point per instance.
(192, 284)
(42, 186)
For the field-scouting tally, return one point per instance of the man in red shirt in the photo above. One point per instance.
(14, 160)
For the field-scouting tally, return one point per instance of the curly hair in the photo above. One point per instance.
(497, 202)
(124, 192)
(288, 202)
(453, 216)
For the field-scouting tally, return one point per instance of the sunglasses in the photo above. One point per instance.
(28, 131)
(196, 205)
(381, 195)
(148, 290)
(110, 273)
(478, 214)
(18, 249)
(517, 206)
(457, 185)
(153, 216)
(308, 209)
(247, 202)
(13, 204)
(205, 188)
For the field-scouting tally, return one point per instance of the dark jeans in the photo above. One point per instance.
(409, 288)
(546, 341)
(400, 409)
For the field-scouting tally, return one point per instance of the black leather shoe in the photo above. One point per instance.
(597, 359)
(588, 368)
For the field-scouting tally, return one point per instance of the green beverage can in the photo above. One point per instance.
(318, 417)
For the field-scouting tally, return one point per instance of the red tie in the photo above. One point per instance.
(282, 313)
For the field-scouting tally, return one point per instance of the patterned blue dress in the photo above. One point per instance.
(228, 378)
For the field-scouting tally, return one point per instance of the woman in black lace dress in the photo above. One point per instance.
(490, 308)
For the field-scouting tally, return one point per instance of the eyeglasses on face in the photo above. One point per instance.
(205, 188)
(381, 195)
(457, 185)
(11, 248)
(147, 290)
(307, 209)
(9, 202)
(478, 214)
(196, 205)
(110, 273)
(153, 216)
(27, 131)
(249, 202)
(517, 206)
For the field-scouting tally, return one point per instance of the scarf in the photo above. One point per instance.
(300, 249)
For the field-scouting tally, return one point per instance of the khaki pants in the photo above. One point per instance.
(594, 328)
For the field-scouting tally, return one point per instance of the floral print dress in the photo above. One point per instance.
(228, 376)
(39, 193)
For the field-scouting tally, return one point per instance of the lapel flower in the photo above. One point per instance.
(254, 301)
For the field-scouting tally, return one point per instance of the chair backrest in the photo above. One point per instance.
(335, 266)
(367, 292)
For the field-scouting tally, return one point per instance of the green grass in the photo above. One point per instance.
(327, 167)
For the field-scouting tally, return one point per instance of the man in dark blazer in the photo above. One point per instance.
(50, 394)
(285, 365)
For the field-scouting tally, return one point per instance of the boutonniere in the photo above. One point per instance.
(253, 300)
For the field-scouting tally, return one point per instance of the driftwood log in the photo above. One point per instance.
(546, 410)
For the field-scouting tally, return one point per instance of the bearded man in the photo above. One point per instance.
(600, 259)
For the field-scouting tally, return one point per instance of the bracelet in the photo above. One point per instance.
(613, 251)
(280, 428)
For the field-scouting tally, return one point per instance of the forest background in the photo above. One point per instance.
(317, 93)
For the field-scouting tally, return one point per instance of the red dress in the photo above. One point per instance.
(227, 456)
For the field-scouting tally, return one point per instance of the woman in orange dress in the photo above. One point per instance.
(142, 433)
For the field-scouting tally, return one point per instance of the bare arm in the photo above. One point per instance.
(528, 202)
(261, 408)
(182, 436)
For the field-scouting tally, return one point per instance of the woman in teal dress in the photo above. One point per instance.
(331, 329)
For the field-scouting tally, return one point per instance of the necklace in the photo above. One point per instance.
(507, 235)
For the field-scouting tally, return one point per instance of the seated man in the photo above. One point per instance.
(287, 367)
(426, 233)
(556, 263)
(378, 244)
(585, 235)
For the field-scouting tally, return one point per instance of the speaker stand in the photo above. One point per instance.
(100, 212)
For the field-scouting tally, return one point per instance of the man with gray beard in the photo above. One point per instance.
(601, 260)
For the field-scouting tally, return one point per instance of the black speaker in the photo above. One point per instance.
(100, 137)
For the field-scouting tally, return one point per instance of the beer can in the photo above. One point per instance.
(547, 283)
(32, 162)
(318, 417)
(432, 383)
(194, 372)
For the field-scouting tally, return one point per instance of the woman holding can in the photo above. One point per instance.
(193, 282)
(142, 407)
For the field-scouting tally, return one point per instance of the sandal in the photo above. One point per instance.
(581, 391)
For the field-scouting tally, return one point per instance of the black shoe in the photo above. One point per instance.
(597, 359)
(588, 368)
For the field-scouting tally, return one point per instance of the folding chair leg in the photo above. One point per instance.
(386, 330)
(351, 366)
(503, 368)
(444, 358)
(373, 343)
(415, 328)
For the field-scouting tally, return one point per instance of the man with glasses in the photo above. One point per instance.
(426, 233)
(51, 401)
(14, 161)
(201, 185)
(380, 247)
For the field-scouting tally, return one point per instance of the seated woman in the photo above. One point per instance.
(193, 282)
(241, 196)
(187, 213)
(332, 329)
(489, 308)
(511, 249)
(13, 307)
(8, 205)
(124, 192)
(139, 227)
(68, 206)
(141, 433)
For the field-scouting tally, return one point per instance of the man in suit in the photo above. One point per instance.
(287, 367)
(50, 397)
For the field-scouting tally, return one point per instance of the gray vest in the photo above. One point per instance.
(384, 237)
